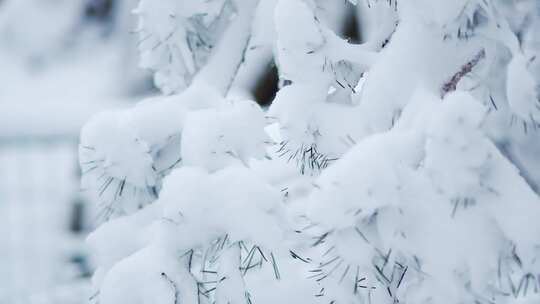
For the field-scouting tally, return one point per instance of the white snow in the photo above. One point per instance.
(377, 175)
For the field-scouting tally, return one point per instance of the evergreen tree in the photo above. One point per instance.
(400, 169)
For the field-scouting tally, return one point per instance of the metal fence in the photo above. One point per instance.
(42, 256)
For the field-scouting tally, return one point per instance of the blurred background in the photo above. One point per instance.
(61, 61)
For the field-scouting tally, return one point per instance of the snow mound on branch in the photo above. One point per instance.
(324, 71)
(150, 276)
(245, 208)
(230, 134)
(449, 179)
(121, 237)
(522, 90)
(124, 154)
(440, 12)
(134, 156)
(177, 38)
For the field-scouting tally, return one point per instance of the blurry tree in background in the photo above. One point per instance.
(100, 10)
(47, 32)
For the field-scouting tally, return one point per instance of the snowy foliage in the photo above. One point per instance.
(398, 170)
